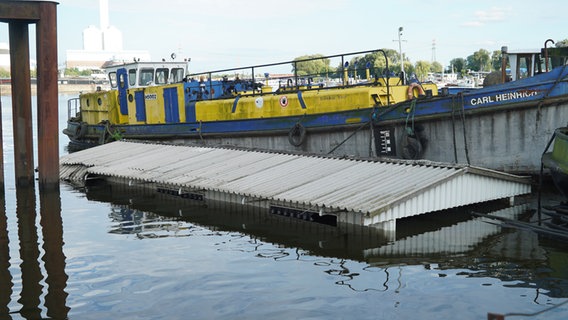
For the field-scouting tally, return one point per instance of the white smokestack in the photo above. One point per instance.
(103, 8)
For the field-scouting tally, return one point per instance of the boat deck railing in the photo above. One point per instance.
(73, 107)
(296, 81)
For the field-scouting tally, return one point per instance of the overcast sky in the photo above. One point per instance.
(228, 33)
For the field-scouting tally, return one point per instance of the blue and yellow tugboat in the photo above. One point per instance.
(355, 109)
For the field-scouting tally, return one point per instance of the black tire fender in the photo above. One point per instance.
(297, 135)
(411, 148)
(81, 131)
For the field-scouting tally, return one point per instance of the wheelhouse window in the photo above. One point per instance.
(132, 77)
(524, 66)
(112, 79)
(161, 75)
(122, 80)
(177, 75)
(146, 76)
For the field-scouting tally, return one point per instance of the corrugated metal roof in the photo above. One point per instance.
(460, 237)
(381, 191)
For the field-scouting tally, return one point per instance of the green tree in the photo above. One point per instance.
(375, 60)
(436, 67)
(496, 59)
(422, 68)
(561, 43)
(4, 73)
(71, 72)
(479, 60)
(74, 72)
(457, 65)
(408, 67)
(316, 65)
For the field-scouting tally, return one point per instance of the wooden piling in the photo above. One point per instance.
(19, 14)
(47, 97)
(21, 102)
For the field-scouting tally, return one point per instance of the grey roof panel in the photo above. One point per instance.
(380, 190)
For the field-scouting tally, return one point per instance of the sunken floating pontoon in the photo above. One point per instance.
(356, 191)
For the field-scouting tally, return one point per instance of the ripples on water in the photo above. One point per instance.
(111, 252)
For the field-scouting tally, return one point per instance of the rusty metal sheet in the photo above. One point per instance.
(25, 11)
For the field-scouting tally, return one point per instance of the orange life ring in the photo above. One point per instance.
(410, 92)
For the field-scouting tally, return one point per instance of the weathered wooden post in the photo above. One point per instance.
(47, 96)
(19, 14)
(21, 102)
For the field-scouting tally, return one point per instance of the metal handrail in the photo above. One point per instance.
(73, 106)
(295, 63)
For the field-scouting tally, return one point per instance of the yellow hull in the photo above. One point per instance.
(97, 107)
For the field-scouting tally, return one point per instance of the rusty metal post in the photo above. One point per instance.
(504, 64)
(546, 52)
(47, 97)
(19, 15)
(21, 102)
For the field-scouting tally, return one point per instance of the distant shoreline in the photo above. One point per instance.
(6, 89)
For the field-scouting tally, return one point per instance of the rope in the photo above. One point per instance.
(454, 129)
(463, 125)
(349, 137)
(462, 116)
(107, 133)
(556, 82)
(412, 109)
(372, 129)
(301, 118)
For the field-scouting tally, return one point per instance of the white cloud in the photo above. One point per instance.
(472, 24)
(494, 14)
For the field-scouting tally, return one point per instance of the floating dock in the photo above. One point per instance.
(359, 191)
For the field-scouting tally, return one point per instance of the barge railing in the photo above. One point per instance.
(296, 82)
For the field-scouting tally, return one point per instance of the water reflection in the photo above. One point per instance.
(54, 259)
(145, 224)
(31, 272)
(29, 254)
(5, 275)
(441, 242)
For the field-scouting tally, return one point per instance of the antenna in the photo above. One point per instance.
(400, 50)
(433, 50)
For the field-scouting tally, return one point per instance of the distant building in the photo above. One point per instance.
(101, 45)
(4, 57)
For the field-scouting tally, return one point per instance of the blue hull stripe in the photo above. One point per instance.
(190, 112)
(301, 100)
(235, 104)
